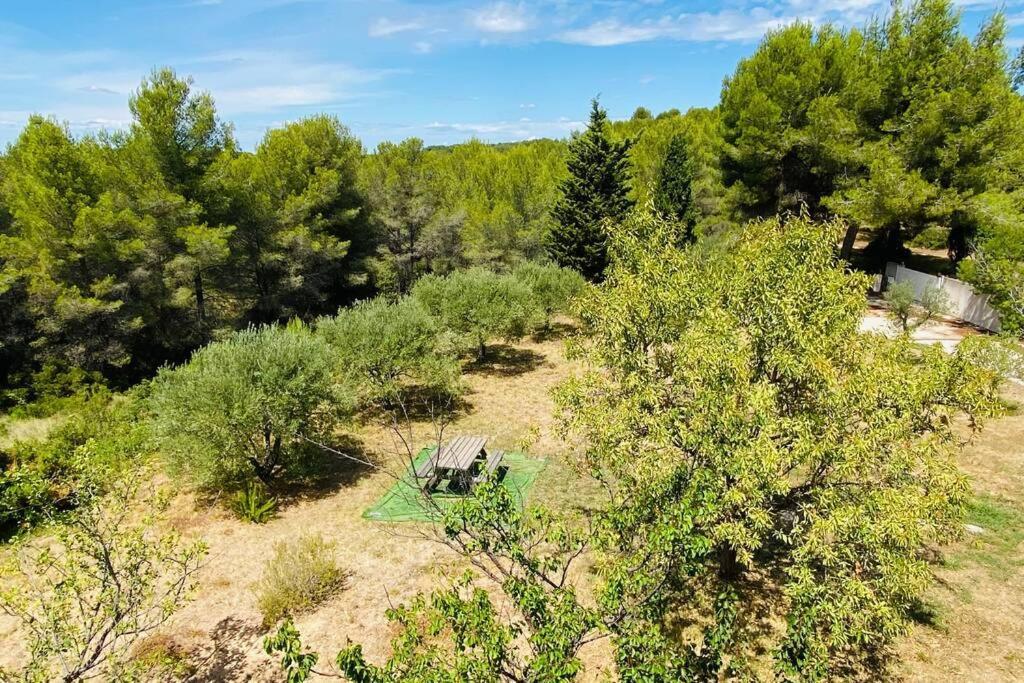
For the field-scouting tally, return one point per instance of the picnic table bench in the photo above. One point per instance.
(464, 459)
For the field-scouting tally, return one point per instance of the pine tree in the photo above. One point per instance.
(595, 191)
(673, 197)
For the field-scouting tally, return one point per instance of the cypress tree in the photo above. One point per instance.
(673, 197)
(595, 191)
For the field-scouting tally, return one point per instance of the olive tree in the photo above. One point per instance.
(907, 311)
(106, 577)
(385, 351)
(243, 407)
(477, 305)
(551, 287)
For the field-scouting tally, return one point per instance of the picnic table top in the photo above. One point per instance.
(460, 453)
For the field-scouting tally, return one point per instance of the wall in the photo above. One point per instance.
(965, 303)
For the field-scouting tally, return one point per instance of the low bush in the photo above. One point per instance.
(477, 305)
(388, 351)
(242, 408)
(254, 504)
(301, 574)
(552, 287)
(103, 436)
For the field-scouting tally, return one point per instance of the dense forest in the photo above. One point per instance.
(170, 294)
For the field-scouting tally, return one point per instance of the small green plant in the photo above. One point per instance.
(302, 574)
(254, 504)
(907, 312)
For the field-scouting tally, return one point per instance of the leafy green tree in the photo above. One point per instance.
(244, 407)
(505, 194)
(997, 268)
(712, 208)
(68, 265)
(674, 194)
(477, 305)
(765, 436)
(297, 209)
(412, 230)
(106, 579)
(642, 113)
(596, 191)
(180, 130)
(390, 351)
(909, 313)
(552, 288)
(789, 115)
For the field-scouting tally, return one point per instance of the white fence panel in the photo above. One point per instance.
(964, 302)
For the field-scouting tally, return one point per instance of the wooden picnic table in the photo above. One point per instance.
(464, 459)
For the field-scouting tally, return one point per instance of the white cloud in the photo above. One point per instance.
(507, 131)
(501, 17)
(384, 27)
(728, 25)
(527, 105)
(422, 47)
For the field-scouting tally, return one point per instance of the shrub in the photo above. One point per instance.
(78, 458)
(302, 574)
(933, 237)
(386, 350)
(477, 305)
(552, 287)
(907, 312)
(240, 407)
(106, 579)
(254, 504)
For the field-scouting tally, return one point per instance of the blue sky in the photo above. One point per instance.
(389, 69)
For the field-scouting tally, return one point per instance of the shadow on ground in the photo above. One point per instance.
(504, 360)
(344, 465)
(231, 641)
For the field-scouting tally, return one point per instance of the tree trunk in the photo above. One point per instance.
(200, 299)
(728, 566)
(848, 240)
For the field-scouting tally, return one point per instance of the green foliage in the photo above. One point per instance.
(997, 268)
(297, 665)
(505, 194)
(300, 575)
(296, 211)
(241, 408)
(254, 504)
(909, 313)
(744, 426)
(390, 351)
(98, 440)
(674, 194)
(458, 633)
(477, 305)
(898, 127)
(596, 191)
(416, 236)
(105, 578)
(551, 287)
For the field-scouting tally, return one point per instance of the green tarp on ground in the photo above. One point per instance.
(404, 503)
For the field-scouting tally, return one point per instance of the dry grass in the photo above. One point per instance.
(972, 621)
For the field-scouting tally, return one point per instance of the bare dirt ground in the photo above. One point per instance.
(971, 625)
